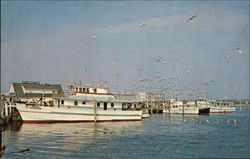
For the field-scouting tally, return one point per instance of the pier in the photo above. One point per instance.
(5, 111)
(8, 113)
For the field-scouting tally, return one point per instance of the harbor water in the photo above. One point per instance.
(161, 136)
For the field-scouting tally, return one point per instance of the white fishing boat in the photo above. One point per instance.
(84, 104)
(214, 108)
(178, 107)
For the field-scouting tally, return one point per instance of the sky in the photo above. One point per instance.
(129, 46)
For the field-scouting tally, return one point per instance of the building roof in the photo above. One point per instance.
(35, 85)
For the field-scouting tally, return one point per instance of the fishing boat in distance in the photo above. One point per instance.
(204, 103)
(83, 104)
(178, 107)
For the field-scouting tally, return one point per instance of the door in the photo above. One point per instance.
(105, 106)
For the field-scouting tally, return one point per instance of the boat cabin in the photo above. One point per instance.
(87, 89)
(177, 104)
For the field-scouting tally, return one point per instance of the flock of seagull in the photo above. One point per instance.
(215, 121)
(164, 60)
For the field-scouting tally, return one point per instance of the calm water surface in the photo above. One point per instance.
(161, 136)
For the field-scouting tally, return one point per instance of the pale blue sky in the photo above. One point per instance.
(52, 42)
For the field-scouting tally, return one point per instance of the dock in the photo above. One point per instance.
(5, 112)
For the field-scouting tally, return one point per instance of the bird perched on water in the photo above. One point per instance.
(21, 151)
(141, 24)
(238, 49)
(191, 18)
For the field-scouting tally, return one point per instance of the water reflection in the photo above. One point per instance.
(14, 126)
(63, 138)
(162, 136)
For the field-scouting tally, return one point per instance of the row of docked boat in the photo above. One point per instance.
(197, 107)
(93, 104)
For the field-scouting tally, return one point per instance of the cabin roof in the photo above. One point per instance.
(87, 86)
(98, 99)
(20, 93)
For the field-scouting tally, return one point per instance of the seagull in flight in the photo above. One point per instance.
(238, 49)
(162, 59)
(141, 24)
(93, 36)
(191, 18)
(139, 69)
(188, 70)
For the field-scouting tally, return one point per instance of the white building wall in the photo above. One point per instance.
(12, 89)
(38, 91)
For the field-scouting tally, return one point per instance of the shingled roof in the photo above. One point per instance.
(36, 85)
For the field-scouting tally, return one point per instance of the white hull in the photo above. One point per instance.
(179, 110)
(222, 109)
(145, 115)
(42, 114)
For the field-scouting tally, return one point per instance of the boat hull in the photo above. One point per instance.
(204, 111)
(40, 114)
(222, 110)
(191, 111)
(145, 115)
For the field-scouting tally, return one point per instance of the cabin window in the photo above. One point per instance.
(76, 89)
(80, 90)
(87, 89)
(98, 104)
(112, 104)
(62, 102)
(124, 106)
(129, 105)
(83, 102)
(75, 103)
(95, 90)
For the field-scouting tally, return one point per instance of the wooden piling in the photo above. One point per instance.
(2, 146)
(151, 107)
(182, 109)
(94, 107)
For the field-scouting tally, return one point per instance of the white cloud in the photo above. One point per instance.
(205, 22)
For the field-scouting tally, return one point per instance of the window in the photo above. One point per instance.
(83, 90)
(75, 103)
(80, 89)
(112, 104)
(98, 104)
(76, 89)
(83, 102)
(87, 89)
(95, 90)
(62, 102)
